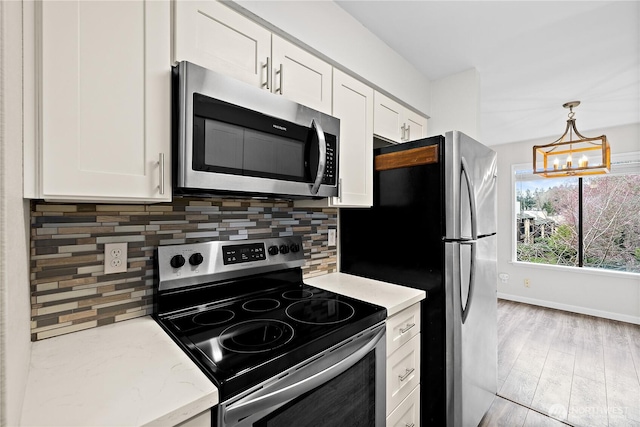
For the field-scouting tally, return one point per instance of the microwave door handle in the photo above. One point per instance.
(322, 162)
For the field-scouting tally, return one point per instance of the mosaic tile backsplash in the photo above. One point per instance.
(69, 290)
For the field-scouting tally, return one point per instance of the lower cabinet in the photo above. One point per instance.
(403, 368)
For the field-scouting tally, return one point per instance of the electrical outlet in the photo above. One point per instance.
(332, 237)
(527, 283)
(115, 258)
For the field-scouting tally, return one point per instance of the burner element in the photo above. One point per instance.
(297, 294)
(256, 336)
(320, 311)
(213, 317)
(261, 304)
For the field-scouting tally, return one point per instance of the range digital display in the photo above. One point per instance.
(243, 253)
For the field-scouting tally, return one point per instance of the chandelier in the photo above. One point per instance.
(572, 157)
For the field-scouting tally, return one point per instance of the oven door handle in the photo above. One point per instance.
(242, 409)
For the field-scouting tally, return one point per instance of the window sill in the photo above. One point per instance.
(579, 270)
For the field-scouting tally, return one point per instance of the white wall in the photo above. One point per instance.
(455, 104)
(606, 294)
(15, 343)
(326, 28)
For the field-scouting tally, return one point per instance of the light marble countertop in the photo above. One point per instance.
(394, 298)
(129, 373)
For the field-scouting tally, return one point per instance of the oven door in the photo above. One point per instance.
(345, 385)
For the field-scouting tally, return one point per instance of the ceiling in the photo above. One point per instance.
(532, 57)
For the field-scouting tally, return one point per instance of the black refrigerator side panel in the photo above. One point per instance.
(399, 240)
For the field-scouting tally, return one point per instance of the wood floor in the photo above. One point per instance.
(557, 368)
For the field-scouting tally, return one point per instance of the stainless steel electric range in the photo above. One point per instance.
(280, 352)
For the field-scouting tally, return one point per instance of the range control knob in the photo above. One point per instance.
(177, 261)
(294, 247)
(284, 249)
(273, 250)
(196, 259)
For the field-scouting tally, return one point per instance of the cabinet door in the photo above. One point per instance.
(387, 118)
(212, 35)
(395, 122)
(300, 76)
(105, 100)
(416, 126)
(353, 105)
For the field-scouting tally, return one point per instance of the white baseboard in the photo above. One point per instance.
(572, 308)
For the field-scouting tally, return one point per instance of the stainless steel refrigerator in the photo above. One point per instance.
(433, 227)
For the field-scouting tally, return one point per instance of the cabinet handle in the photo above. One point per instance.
(403, 129)
(161, 167)
(340, 189)
(405, 330)
(408, 132)
(279, 90)
(406, 374)
(409, 425)
(268, 74)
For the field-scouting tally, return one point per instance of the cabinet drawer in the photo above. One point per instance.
(403, 372)
(407, 414)
(401, 327)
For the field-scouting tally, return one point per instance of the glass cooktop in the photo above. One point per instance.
(244, 339)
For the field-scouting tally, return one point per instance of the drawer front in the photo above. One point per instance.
(402, 327)
(407, 414)
(403, 372)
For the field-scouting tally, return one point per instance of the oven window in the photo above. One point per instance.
(348, 399)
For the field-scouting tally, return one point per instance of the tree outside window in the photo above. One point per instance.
(550, 212)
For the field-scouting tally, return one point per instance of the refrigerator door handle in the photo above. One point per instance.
(472, 280)
(472, 199)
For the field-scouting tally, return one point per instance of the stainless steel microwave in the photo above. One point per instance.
(233, 138)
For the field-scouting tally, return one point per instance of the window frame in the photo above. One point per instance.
(621, 164)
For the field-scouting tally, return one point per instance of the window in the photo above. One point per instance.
(582, 222)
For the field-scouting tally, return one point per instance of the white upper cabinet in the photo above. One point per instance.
(415, 126)
(353, 105)
(218, 38)
(395, 122)
(214, 36)
(300, 76)
(102, 95)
